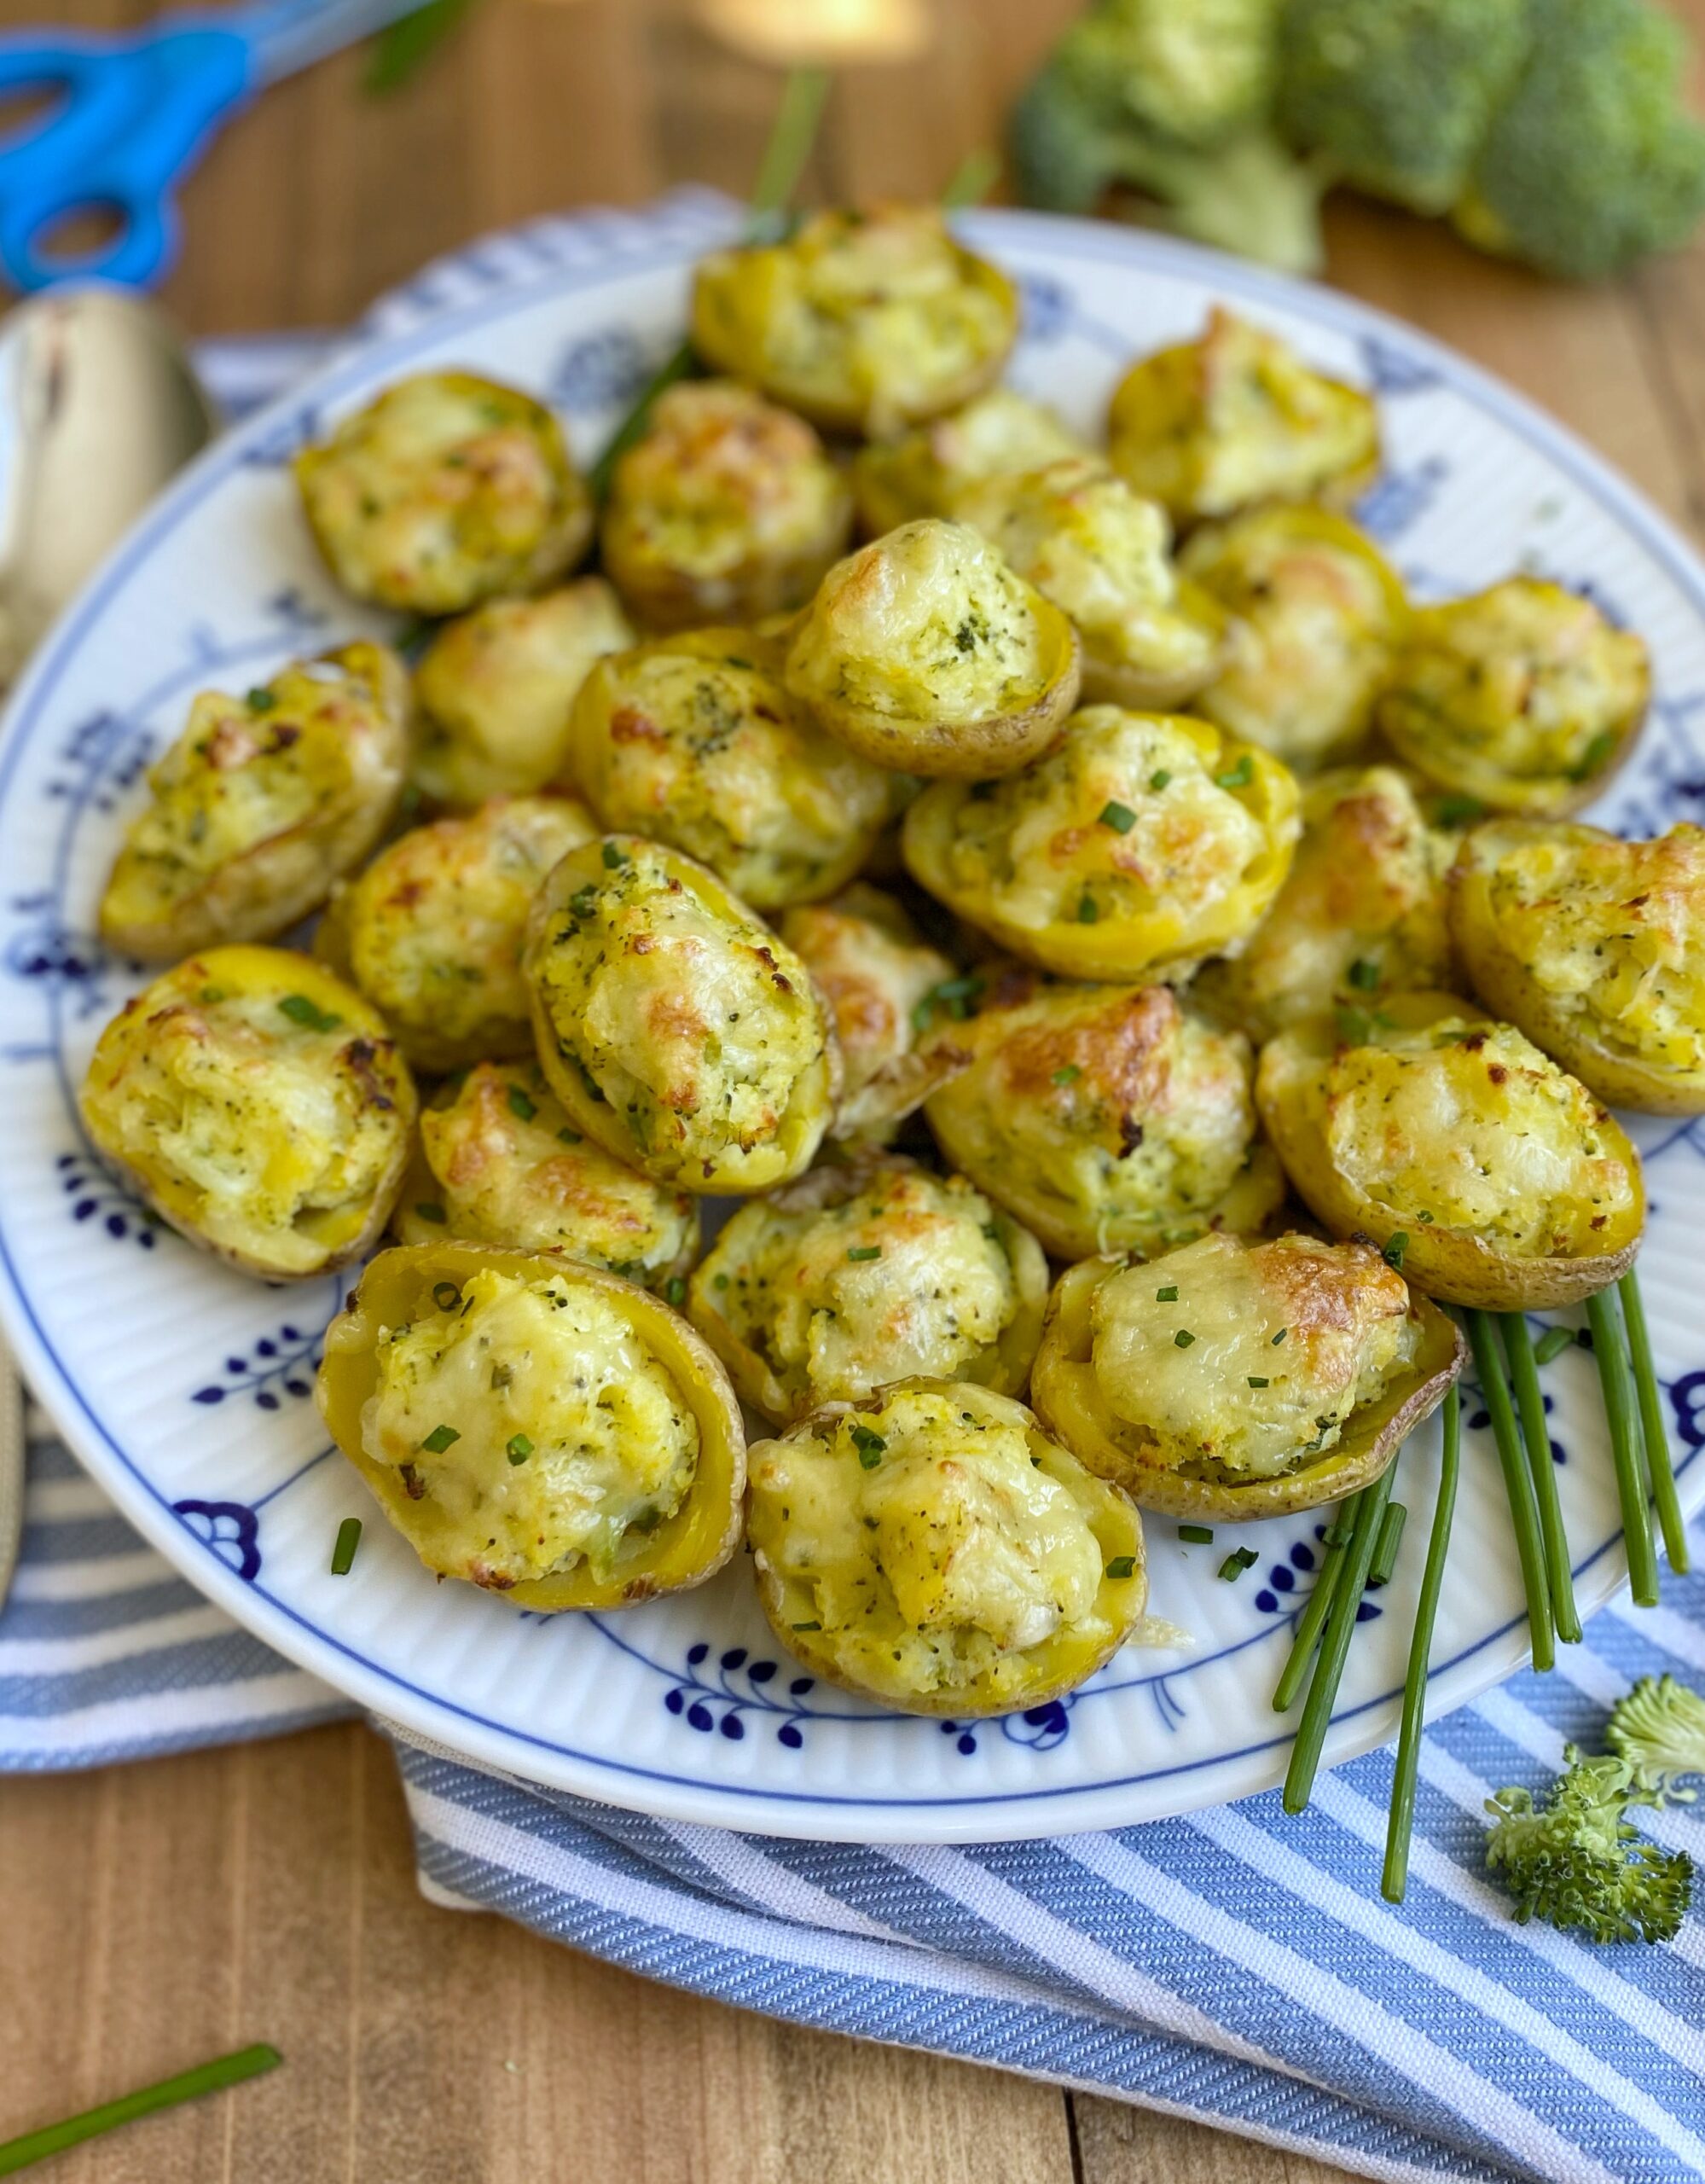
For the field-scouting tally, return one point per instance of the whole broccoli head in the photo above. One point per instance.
(1590, 161)
(1659, 1729)
(1182, 72)
(1396, 95)
(1577, 1863)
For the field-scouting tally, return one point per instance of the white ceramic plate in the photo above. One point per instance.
(186, 1390)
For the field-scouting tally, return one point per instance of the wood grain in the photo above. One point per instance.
(153, 1915)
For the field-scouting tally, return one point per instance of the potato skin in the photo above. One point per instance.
(629, 943)
(923, 652)
(1641, 913)
(693, 740)
(925, 471)
(255, 1067)
(1140, 843)
(1523, 696)
(432, 931)
(1072, 1406)
(445, 490)
(261, 805)
(863, 322)
(821, 1455)
(683, 1550)
(1235, 419)
(496, 688)
(726, 509)
(1300, 1091)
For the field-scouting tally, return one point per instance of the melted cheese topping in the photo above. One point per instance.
(932, 1544)
(694, 1026)
(1617, 931)
(442, 491)
(498, 687)
(869, 965)
(925, 471)
(927, 623)
(693, 742)
(1470, 1126)
(532, 1428)
(507, 1167)
(1101, 553)
(1239, 1395)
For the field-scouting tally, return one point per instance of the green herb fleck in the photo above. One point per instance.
(1256, 1380)
(520, 1449)
(570, 1137)
(446, 1296)
(1458, 810)
(1235, 1563)
(1197, 1535)
(675, 1290)
(1365, 974)
(312, 1017)
(1068, 1073)
(1167, 1296)
(520, 1105)
(1119, 816)
(1183, 1339)
(808, 1626)
(342, 1554)
(1280, 1337)
(210, 997)
(261, 700)
(1393, 1253)
(428, 1211)
(870, 1446)
(856, 1252)
(440, 1438)
(1237, 776)
(614, 858)
(1086, 912)
(1158, 779)
(1122, 1566)
(955, 995)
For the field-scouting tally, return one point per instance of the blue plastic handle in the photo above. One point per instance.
(131, 114)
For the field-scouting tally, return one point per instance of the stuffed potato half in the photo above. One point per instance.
(1492, 1177)
(535, 1426)
(933, 1548)
(257, 1104)
(1594, 946)
(1232, 1381)
(923, 472)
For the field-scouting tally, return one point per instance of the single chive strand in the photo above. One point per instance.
(1401, 1826)
(1518, 1486)
(1530, 1407)
(1335, 1645)
(1658, 1463)
(1384, 1562)
(675, 366)
(973, 179)
(1314, 1609)
(1617, 1383)
(188, 2085)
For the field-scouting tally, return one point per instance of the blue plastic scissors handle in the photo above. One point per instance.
(130, 114)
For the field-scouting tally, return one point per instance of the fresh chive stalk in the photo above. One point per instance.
(1386, 1546)
(1400, 1824)
(1530, 1405)
(973, 179)
(1519, 1485)
(1314, 1608)
(1552, 1344)
(188, 2085)
(1658, 1464)
(1335, 1643)
(1616, 1380)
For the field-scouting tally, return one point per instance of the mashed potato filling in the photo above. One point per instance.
(1248, 1359)
(531, 1425)
(1469, 1125)
(925, 472)
(874, 972)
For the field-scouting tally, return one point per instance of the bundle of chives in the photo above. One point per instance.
(1335, 1643)
(1519, 1485)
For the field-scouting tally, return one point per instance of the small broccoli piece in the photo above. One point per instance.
(1659, 1729)
(1577, 1863)
(1187, 73)
(1592, 161)
(1397, 94)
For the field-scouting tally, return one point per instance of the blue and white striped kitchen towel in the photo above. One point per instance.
(1237, 1966)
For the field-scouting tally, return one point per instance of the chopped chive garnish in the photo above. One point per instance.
(1259, 1380)
(428, 1211)
(614, 859)
(1400, 1824)
(519, 1448)
(446, 1296)
(1239, 1560)
(440, 1438)
(1385, 1546)
(856, 1252)
(1458, 810)
(1280, 1337)
(1087, 911)
(312, 1017)
(1068, 1073)
(520, 1106)
(1167, 1296)
(571, 1137)
(348, 1539)
(1119, 816)
(1158, 779)
(188, 2085)
(808, 1626)
(955, 995)
(1552, 1344)
(1395, 1248)
(1183, 1339)
(260, 700)
(1237, 776)
(870, 1446)
(1122, 1565)
(1658, 1465)
(1363, 974)
(1198, 1534)
(674, 1290)
(210, 997)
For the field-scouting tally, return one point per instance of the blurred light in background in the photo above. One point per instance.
(819, 33)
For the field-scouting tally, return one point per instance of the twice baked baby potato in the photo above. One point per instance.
(261, 805)
(1235, 418)
(862, 1273)
(432, 931)
(677, 1030)
(445, 490)
(257, 1104)
(1361, 913)
(934, 1548)
(1315, 613)
(1142, 842)
(500, 1163)
(862, 321)
(1107, 1119)
(1487, 1173)
(925, 652)
(535, 1426)
(924, 471)
(726, 509)
(1232, 1381)
(497, 687)
(1595, 948)
(1523, 696)
(1078, 532)
(694, 740)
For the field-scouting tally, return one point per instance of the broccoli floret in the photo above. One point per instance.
(1576, 1861)
(1590, 161)
(1659, 1729)
(1397, 94)
(1182, 72)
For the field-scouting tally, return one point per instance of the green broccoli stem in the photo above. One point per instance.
(1518, 1486)
(1314, 1616)
(1401, 1826)
(1530, 1404)
(1616, 1380)
(1658, 1464)
(1335, 1643)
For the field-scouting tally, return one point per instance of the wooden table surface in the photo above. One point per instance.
(151, 1916)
